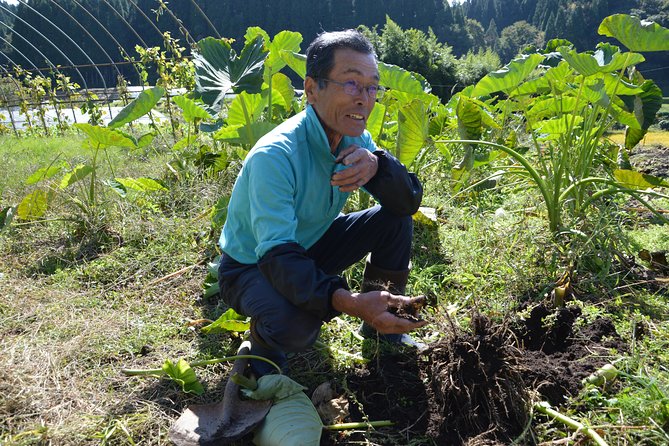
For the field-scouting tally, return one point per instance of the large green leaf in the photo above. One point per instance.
(469, 119)
(637, 180)
(283, 41)
(375, 121)
(246, 135)
(103, 136)
(397, 78)
(141, 184)
(33, 205)
(283, 92)
(635, 34)
(45, 173)
(509, 77)
(182, 373)
(245, 109)
(140, 106)
(553, 128)
(292, 420)
(296, 61)
(227, 322)
(190, 109)
(77, 174)
(218, 70)
(646, 106)
(412, 131)
(603, 61)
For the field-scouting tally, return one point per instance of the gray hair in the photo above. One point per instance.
(320, 54)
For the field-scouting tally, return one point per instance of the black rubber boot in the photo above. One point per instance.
(395, 282)
(260, 348)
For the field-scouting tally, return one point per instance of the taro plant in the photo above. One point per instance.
(79, 185)
(566, 101)
(246, 91)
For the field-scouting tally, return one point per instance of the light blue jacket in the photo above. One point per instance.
(283, 193)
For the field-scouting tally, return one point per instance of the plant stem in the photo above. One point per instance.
(159, 372)
(359, 425)
(546, 409)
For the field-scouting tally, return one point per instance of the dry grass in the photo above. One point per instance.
(659, 137)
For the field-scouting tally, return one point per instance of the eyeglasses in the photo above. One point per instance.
(353, 88)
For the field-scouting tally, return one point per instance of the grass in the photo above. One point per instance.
(651, 138)
(76, 308)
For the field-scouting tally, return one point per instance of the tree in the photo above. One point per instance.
(417, 51)
(476, 34)
(491, 36)
(516, 37)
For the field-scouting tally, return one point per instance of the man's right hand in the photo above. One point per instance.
(372, 307)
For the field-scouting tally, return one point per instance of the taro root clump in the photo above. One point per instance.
(475, 387)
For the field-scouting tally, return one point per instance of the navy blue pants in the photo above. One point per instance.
(287, 328)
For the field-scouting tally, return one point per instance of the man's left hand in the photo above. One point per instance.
(361, 167)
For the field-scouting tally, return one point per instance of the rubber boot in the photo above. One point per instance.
(260, 348)
(395, 282)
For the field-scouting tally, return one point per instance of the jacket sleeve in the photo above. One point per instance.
(394, 187)
(293, 274)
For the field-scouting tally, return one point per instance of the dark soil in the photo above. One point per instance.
(652, 159)
(474, 387)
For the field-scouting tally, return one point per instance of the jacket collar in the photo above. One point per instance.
(316, 137)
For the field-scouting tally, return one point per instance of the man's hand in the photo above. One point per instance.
(372, 307)
(361, 166)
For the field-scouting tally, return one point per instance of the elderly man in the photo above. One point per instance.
(285, 242)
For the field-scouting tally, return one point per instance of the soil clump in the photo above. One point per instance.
(475, 387)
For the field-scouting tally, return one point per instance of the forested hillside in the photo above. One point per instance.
(44, 33)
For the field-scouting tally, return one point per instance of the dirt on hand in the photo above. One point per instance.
(410, 311)
(475, 387)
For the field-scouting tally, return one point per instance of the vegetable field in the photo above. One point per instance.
(541, 248)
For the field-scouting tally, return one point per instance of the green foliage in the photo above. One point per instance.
(144, 103)
(473, 66)
(516, 37)
(417, 51)
(228, 321)
(219, 71)
(184, 375)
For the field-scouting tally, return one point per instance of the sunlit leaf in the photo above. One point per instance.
(77, 174)
(282, 90)
(296, 61)
(45, 173)
(140, 106)
(184, 375)
(634, 33)
(245, 109)
(552, 128)
(219, 71)
(637, 180)
(142, 184)
(247, 135)
(375, 120)
(104, 136)
(509, 77)
(219, 212)
(602, 61)
(283, 41)
(397, 78)
(33, 205)
(469, 119)
(228, 321)
(190, 109)
(145, 140)
(412, 131)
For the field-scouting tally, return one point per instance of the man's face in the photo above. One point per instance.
(341, 113)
